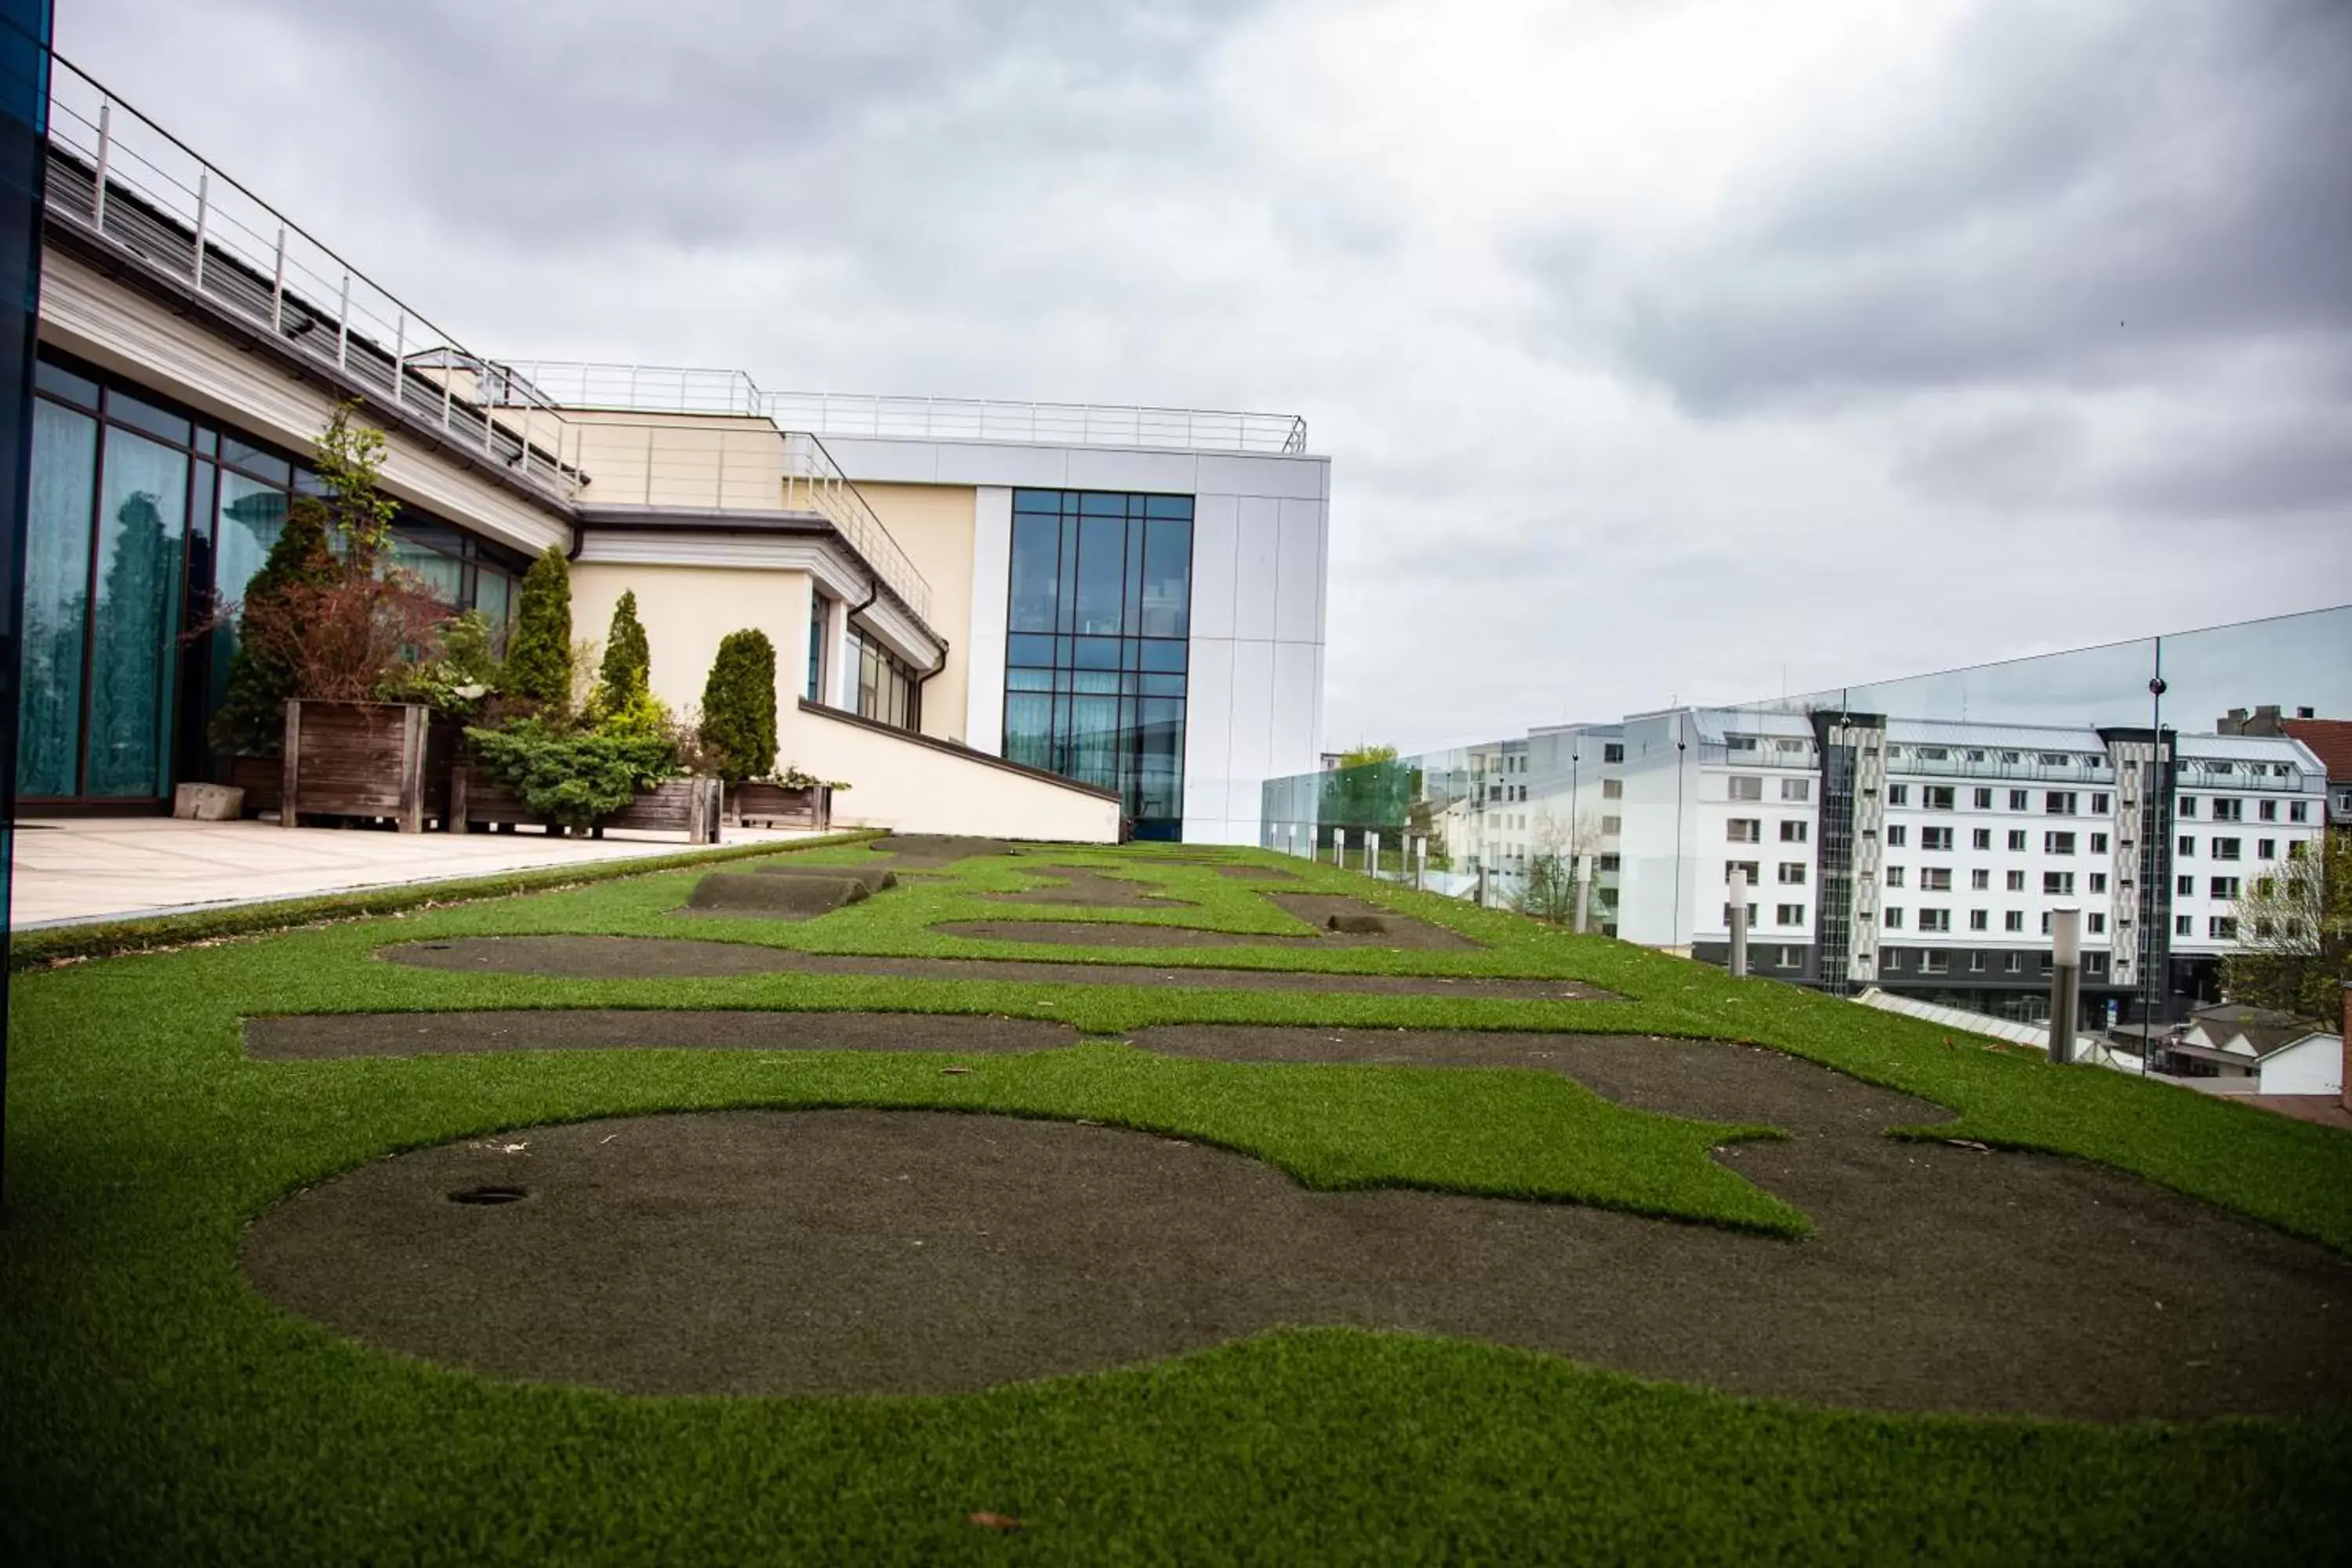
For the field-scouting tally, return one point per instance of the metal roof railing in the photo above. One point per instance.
(676, 389)
(127, 183)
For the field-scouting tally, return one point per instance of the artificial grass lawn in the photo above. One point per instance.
(156, 1409)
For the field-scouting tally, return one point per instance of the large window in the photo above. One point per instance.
(1094, 660)
(888, 688)
(143, 520)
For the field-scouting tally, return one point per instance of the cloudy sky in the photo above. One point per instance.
(1662, 350)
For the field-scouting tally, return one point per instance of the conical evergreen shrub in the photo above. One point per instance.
(539, 655)
(626, 674)
(252, 717)
(738, 707)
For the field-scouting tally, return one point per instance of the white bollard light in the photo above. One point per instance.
(1583, 894)
(2066, 975)
(1738, 924)
(1371, 854)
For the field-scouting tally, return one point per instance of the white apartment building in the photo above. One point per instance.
(1927, 857)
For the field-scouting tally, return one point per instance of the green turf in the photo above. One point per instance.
(153, 1408)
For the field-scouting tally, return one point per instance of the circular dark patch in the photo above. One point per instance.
(864, 1251)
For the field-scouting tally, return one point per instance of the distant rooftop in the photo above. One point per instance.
(677, 389)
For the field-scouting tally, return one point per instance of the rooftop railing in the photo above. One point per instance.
(121, 179)
(673, 389)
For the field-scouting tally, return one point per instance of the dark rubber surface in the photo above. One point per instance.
(873, 878)
(1085, 886)
(817, 1252)
(668, 958)
(794, 897)
(329, 1036)
(1318, 909)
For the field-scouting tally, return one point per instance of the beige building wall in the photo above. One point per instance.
(910, 787)
(934, 524)
(685, 610)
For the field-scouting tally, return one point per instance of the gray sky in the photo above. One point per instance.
(1648, 339)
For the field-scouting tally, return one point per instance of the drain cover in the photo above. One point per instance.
(489, 1195)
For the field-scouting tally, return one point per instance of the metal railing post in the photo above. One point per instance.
(719, 478)
(204, 216)
(277, 287)
(343, 325)
(399, 358)
(448, 385)
(528, 410)
(105, 155)
(649, 465)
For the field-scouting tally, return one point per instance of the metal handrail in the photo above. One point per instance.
(678, 389)
(133, 186)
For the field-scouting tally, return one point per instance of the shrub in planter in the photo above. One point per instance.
(626, 673)
(539, 656)
(738, 707)
(252, 717)
(573, 778)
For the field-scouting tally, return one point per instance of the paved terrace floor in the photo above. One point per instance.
(71, 870)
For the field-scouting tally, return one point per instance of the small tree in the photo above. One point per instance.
(252, 717)
(539, 656)
(1549, 891)
(626, 674)
(2293, 946)
(738, 707)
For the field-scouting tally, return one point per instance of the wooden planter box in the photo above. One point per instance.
(690, 806)
(773, 806)
(372, 760)
(263, 780)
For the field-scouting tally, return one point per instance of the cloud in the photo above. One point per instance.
(1685, 349)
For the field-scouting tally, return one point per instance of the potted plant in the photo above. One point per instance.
(616, 760)
(789, 798)
(349, 652)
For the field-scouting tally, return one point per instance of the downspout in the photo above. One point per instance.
(873, 592)
(923, 680)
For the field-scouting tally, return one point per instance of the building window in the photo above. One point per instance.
(1754, 872)
(2012, 920)
(1727, 916)
(1893, 918)
(2220, 928)
(2226, 848)
(2011, 962)
(2187, 847)
(2229, 808)
(1979, 920)
(1899, 794)
(2098, 843)
(2058, 844)
(2098, 882)
(1744, 831)
(1934, 963)
(1936, 879)
(2015, 882)
(1788, 914)
(1795, 832)
(1612, 789)
(2182, 926)
(1936, 798)
(1977, 961)
(2045, 923)
(2184, 886)
(889, 689)
(1792, 873)
(820, 609)
(1612, 826)
(1895, 875)
(2099, 923)
(2186, 807)
(1100, 607)
(2298, 811)
(2265, 849)
(2267, 810)
(1898, 836)
(2016, 796)
(1612, 751)
(1980, 840)
(1799, 789)
(1890, 958)
(1980, 879)
(2017, 840)
(2223, 888)
(2058, 802)
(1936, 919)
(2057, 884)
(2100, 805)
(1745, 788)
(1935, 838)
(1983, 799)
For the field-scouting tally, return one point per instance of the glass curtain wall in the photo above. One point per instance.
(142, 521)
(1100, 607)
